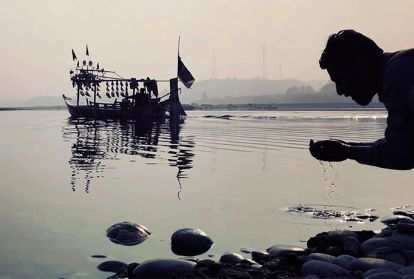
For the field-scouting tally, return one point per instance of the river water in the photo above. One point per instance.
(232, 174)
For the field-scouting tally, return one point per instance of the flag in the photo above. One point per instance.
(184, 74)
(87, 50)
(74, 55)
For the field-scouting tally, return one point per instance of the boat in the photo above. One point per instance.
(104, 94)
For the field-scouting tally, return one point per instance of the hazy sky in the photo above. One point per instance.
(139, 38)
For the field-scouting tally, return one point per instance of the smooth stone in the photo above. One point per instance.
(344, 261)
(112, 266)
(260, 257)
(323, 269)
(231, 258)
(384, 275)
(320, 257)
(127, 233)
(407, 228)
(366, 263)
(389, 254)
(395, 219)
(404, 241)
(190, 242)
(208, 268)
(312, 276)
(375, 271)
(282, 250)
(374, 243)
(404, 213)
(163, 269)
(407, 270)
(98, 256)
(335, 243)
(130, 269)
(409, 276)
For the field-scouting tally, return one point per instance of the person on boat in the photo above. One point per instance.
(360, 69)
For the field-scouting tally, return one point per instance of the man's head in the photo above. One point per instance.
(353, 62)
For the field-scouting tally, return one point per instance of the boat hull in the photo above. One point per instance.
(112, 112)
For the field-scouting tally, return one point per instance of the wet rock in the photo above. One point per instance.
(374, 271)
(260, 257)
(207, 268)
(312, 276)
(384, 275)
(190, 242)
(407, 270)
(389, 254)
(283, 250)
(407, 213)
(407, 228)
(126, 233)
(165, 269)
(98, 256)
(365, 264)
(403, 241)
(231, 258)
(113, 266)
(335, 243)
(320, 257)
(130, 269)
(344, 261)
(395, 219)
(409, 276)
(374, 243)
(323, 269)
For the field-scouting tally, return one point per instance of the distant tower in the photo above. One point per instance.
(264, 74)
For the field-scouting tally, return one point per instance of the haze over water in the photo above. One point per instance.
(232, 174)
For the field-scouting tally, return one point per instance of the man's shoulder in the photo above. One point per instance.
(401, 58)
(399, 68)
(398, 77)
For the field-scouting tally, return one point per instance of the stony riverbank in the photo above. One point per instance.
(387, 254)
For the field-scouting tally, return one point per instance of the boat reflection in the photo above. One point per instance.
(96, 141)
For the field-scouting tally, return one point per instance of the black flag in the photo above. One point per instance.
(74, 55)
(184, 74)
(87, 50)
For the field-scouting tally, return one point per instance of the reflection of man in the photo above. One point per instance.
(360, 69)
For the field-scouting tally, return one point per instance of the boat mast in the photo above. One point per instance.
(77, 96)
(94, 95)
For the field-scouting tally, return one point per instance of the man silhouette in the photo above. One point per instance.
(360, 70)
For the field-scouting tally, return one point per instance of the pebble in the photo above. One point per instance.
(344, 261)
(395, 219)
(282, 250)
(163, 268)
(190, 242)
(366, 263)
(127, 233)
(323, 269)
(384, 275)
(320, 257)
(112, 266)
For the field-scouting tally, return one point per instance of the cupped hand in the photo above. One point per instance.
(329, 150)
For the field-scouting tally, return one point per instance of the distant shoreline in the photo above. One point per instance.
(33, 108)
(242, 107)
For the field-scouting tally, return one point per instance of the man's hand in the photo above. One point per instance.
(329, 150)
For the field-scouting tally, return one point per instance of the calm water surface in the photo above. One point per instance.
(230, 173)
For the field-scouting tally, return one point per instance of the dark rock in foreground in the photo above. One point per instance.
(127, 233)
(164, 269)
(190, 242)
(113, 266)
